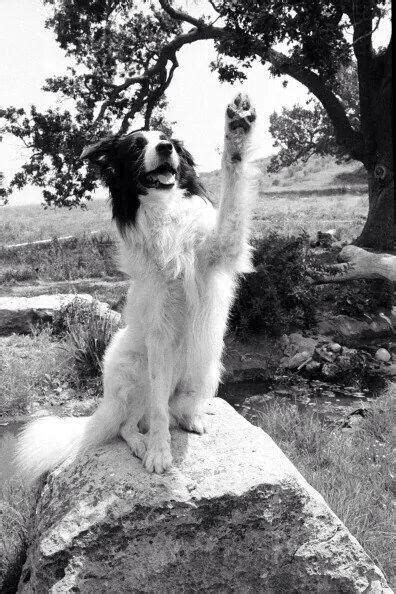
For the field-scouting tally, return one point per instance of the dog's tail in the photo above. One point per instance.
(46, 442)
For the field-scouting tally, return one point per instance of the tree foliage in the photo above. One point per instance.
(108, 42)
(123, 55)
(300, 132)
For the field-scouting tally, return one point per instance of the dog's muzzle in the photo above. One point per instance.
(163, 176)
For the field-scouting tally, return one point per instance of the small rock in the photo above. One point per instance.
(391, 370)
(335, 347)
(330, 370)
(383, 355)
(312, 366)
(297, 343)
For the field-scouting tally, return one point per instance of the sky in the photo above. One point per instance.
(197, 100)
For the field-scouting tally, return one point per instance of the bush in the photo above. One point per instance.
(278, 297)
(87, 335)
(361, 298)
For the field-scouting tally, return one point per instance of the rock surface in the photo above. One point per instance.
(19, 314)
(232, 515)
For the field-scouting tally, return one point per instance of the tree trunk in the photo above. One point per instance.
(379, 230)
(377, 126)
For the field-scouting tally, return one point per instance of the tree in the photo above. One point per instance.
(301, 132)
(125, 56)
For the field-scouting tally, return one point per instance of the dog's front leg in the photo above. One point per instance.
(229, 244)
(158, 457)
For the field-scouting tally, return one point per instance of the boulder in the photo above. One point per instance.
(232, 515)
(19, 314)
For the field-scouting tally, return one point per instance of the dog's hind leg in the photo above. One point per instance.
(188, 405)
(200, 379)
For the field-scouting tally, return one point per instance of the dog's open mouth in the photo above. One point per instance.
(164, 176)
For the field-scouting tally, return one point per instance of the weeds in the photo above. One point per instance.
(351, 469)
(25, 364)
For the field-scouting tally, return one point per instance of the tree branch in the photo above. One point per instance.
(167, 54)
(157, 94)
(180, 16)
(346, 135)
(362, 264)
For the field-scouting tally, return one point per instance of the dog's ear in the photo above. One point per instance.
(100, 153)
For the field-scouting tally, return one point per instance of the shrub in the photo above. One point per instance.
(278, 297)
(361, 298)
(87, 335)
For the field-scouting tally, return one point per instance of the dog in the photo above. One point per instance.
(183, 256)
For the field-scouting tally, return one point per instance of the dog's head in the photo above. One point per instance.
(140, 163)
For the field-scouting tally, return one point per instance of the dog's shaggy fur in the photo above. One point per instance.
(183, 257)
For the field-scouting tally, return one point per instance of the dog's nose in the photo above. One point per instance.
(164, 148)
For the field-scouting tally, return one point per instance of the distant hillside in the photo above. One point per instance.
(317, 175)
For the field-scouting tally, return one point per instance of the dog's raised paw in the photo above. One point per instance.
(240, 113)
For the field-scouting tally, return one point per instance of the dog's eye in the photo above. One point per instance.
(140, 142)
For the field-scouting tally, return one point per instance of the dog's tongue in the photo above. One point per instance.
(166, 178)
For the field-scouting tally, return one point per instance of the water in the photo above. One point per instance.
(8, 434)
(332, 402)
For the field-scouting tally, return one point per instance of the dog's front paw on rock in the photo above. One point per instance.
(158, 459)
(240, 113)
(192, 423)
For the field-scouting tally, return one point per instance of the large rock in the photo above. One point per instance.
(233, 515)
(19, 314)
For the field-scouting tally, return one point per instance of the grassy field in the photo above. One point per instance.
(288, 204)
(289, 201)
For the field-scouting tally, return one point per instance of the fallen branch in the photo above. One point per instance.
(361, 264)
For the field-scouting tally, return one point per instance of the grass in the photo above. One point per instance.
(16, 510)
(28, 367)
(24, 223)
(82, 257)
(352, 469)
(293, 214)
(88, 257)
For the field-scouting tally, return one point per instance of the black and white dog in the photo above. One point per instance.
(183, 257)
